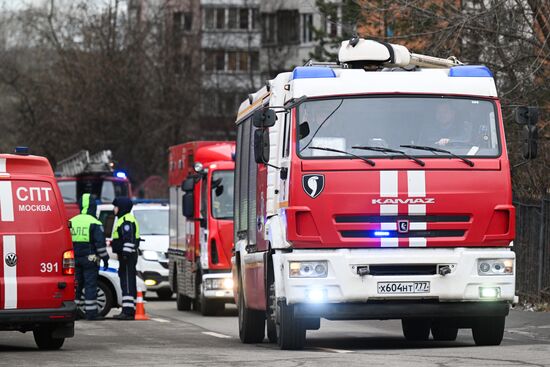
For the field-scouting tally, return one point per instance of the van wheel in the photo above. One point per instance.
(105, 298)
(45, 341)
(444, 333)
(416, 329)
(164, 294)
(488, 330)
(251, 322)
(291, 333)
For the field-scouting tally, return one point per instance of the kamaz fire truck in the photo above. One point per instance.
(201, 224)
(375, 188)
(90, 173)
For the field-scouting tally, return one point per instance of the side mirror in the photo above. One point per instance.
(188, 205)
(188, 184)
(261, 146)
(527, 115)
(530, 141)
(219, 190)
(303, 130)
(264, 118)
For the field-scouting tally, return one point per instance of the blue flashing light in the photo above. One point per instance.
(22, 150)
(471, 71)
(381, 233)
(120, 174)
(308, 72)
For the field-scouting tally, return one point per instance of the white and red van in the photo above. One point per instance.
(37, 269)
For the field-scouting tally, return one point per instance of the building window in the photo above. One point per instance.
(288, 24)
(231, 61)
(307, 28)
(255, 61)
(243, 19)
(209, 14)
(243, 61)
(220, 18)
(269, 29)
(219, 60)
(187, 21)
(232, 18)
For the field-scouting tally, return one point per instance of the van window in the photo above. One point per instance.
(152, 222)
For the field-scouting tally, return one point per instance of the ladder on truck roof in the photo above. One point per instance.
(84, 162)
(360, 53)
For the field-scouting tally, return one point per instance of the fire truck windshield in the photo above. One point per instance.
(222, 194)
(462, 126)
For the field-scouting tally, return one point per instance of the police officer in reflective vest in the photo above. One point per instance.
(125, 244)
(89, 247)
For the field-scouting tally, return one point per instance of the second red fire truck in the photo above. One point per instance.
(201, 224)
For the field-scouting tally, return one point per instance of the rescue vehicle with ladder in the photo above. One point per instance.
(375, 188)
(90, 173)
(37, 271)
(201, 224)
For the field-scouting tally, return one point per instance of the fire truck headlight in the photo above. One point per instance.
(495, 267)
(308, 269)
(228, 283)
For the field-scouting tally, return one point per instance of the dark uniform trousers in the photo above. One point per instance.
(127, 274)
(86, 273)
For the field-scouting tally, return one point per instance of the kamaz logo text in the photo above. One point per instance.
(404, 201)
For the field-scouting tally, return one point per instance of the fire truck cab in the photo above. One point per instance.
(201, 224)
(375, 188)
(37, 270)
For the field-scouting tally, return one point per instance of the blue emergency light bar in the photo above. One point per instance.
(309, 72)
(470, 71)
(381, 233)
(120, 174)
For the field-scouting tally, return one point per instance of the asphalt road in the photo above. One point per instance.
(172, 337)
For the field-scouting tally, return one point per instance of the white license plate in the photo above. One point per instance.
(403, 287)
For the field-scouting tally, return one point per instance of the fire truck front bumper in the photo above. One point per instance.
(396, 283)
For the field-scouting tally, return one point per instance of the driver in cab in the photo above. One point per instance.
(449, 130)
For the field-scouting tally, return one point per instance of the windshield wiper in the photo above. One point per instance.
(372, 163)
(432, 149)
(388, 150)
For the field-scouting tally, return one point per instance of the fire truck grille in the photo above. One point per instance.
(395, 218)
(415, 233)
(403, 269)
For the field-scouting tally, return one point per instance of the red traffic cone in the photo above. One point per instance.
(140, 309)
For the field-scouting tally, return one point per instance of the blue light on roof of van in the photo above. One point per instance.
(306, 72)
(120, 174)
(381, 233)
(474, 71)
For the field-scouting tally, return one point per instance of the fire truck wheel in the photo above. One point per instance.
(291, 330)
(416, 329)
(488, 330)
(183, 303)
(210, 307)
(251, 322)
(44, 340)
(444, 333)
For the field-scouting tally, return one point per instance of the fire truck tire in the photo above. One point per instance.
(209, 307)
(444, 333)
(488, 330)
(416, 329)
(44, 339)
(291, 331)
(183, 303)
(251, 322)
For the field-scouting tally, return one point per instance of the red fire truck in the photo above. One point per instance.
(201, 224)
(375, 188)
(37, 270)
(90, 173)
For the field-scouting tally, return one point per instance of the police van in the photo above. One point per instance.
(37, 269)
